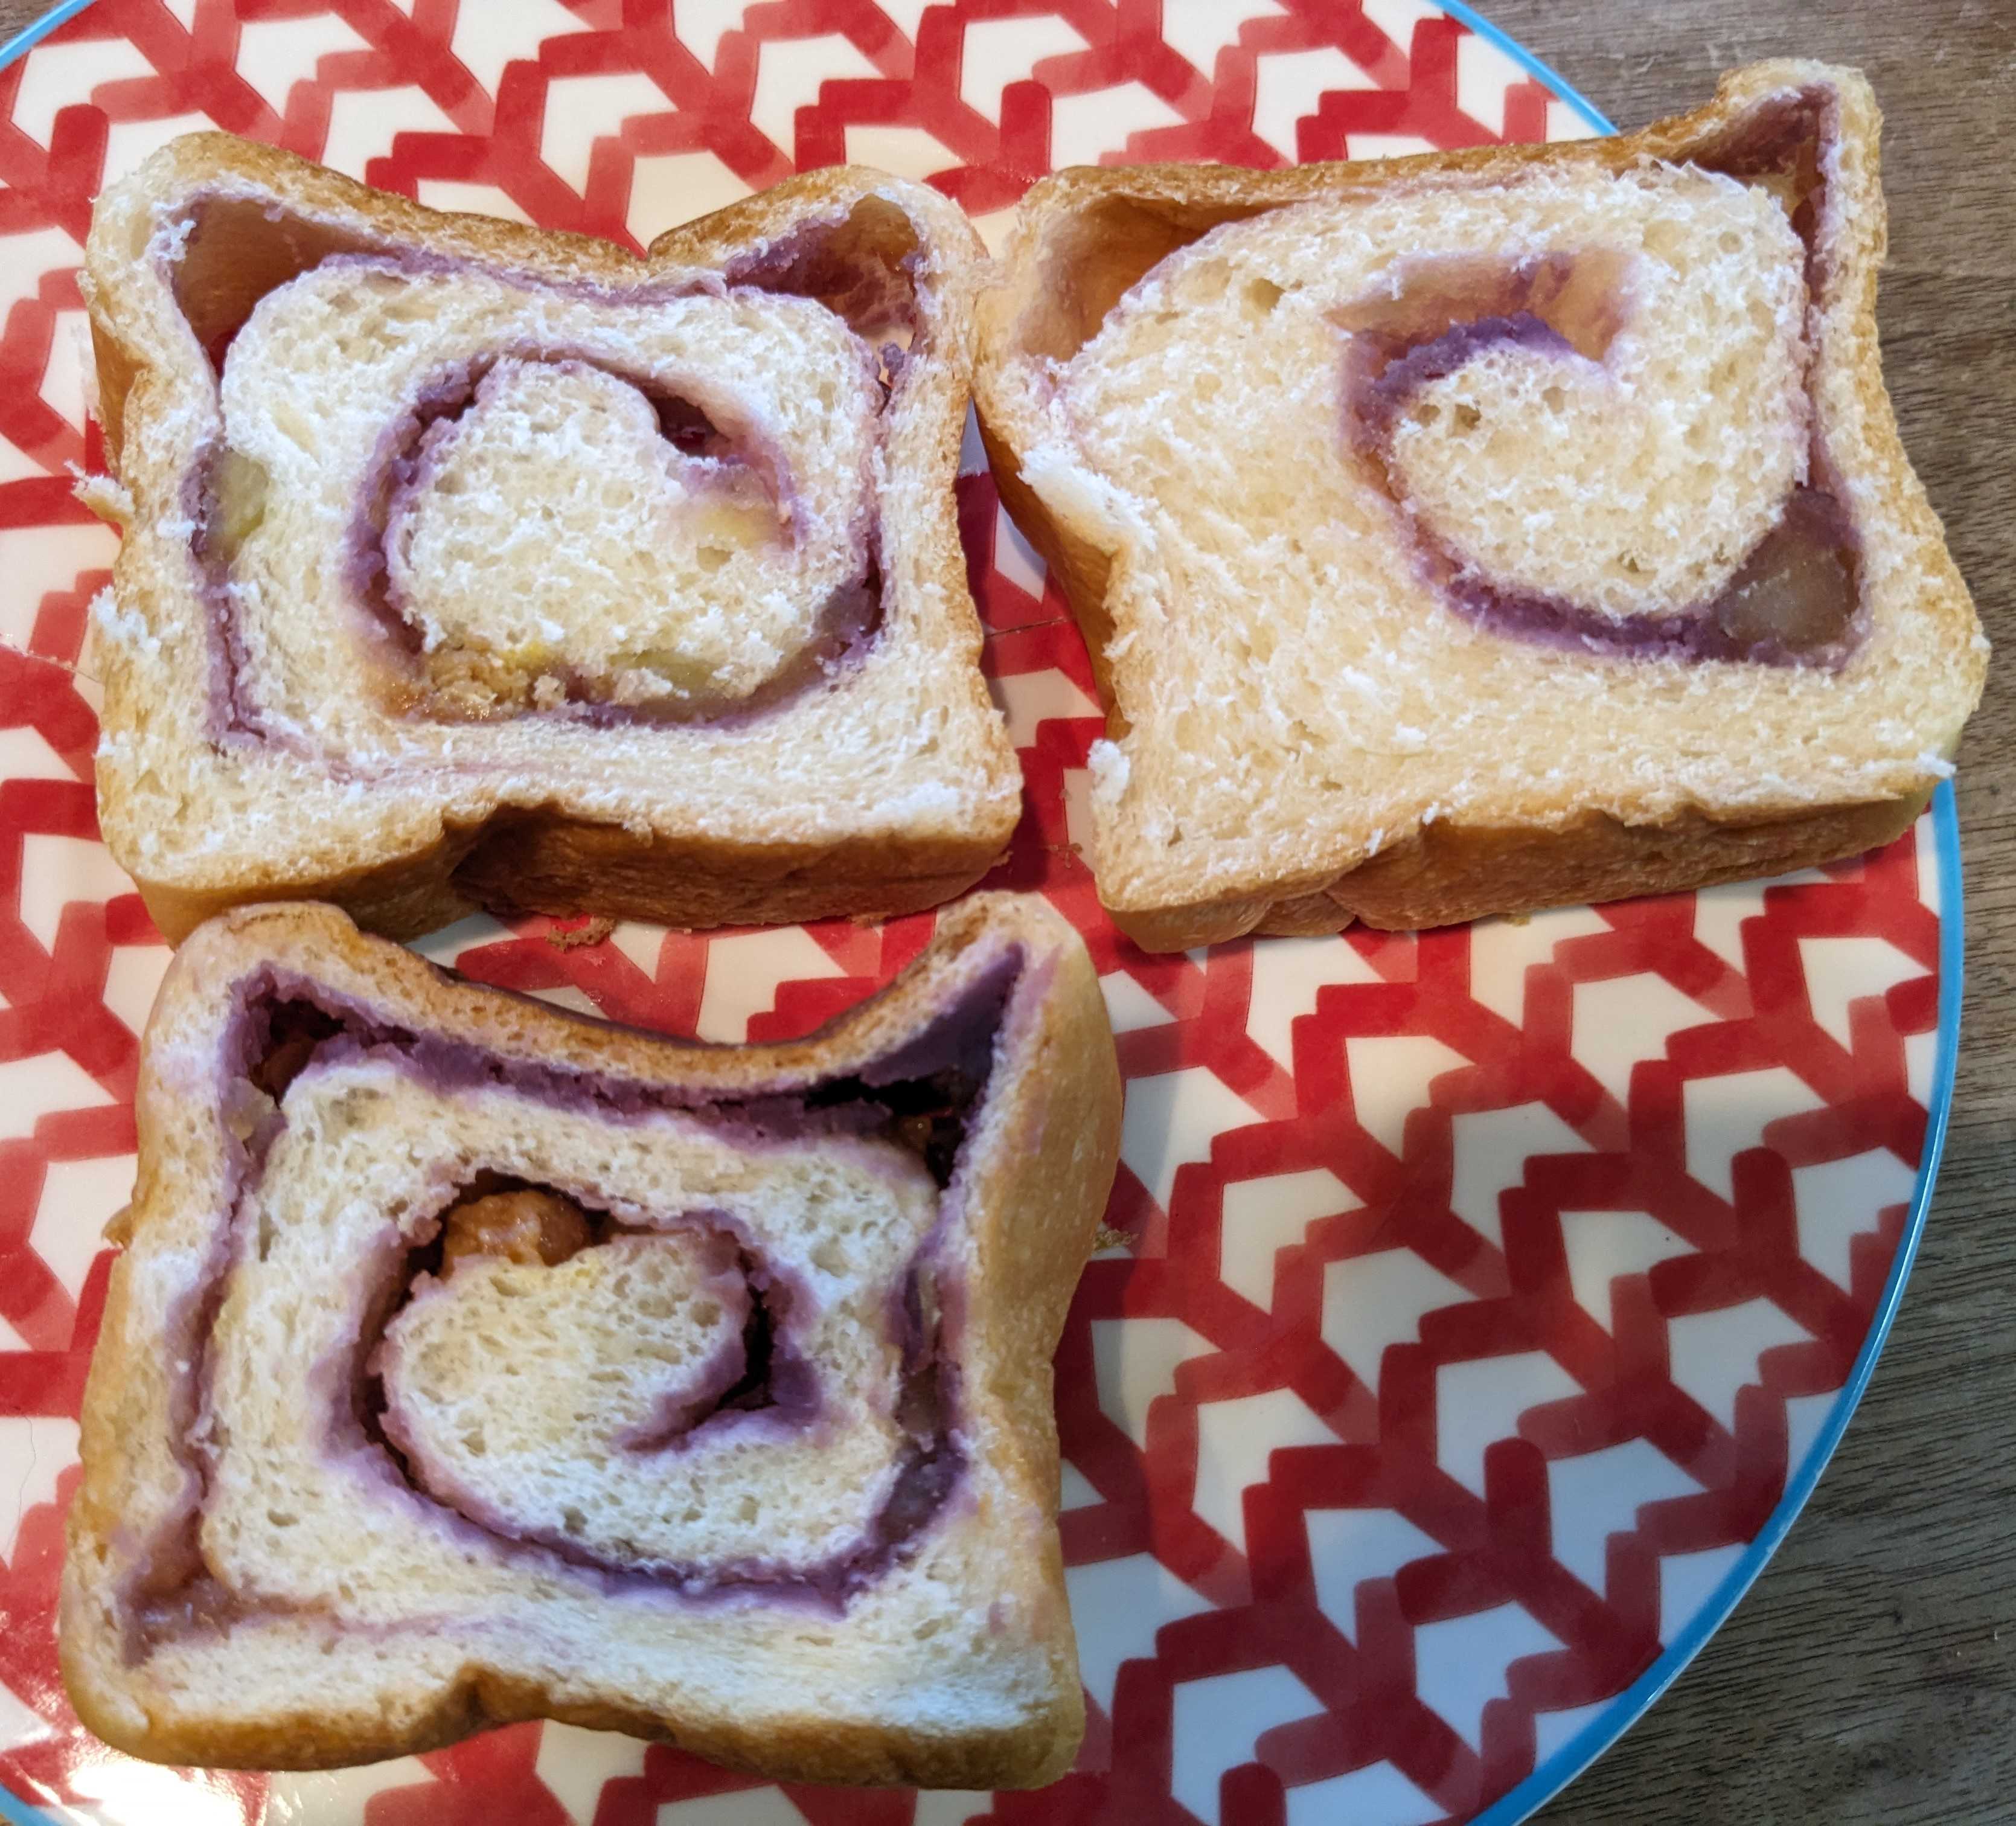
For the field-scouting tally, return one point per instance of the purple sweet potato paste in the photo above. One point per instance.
(924, 1095)
(877, 297)
(761, 1378)
(235, 716)
(1791, 143)
(874, 289)
(1794, 599)
(875, 292)
(727, 456)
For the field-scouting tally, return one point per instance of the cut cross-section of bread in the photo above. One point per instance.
(469, 1361)
(1482, 531)
(466, 564)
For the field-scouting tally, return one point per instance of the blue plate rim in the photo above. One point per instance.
(1574, 1757)
(1542, 72)
(1582, 1749)
(31, 34)
(1623, 1710)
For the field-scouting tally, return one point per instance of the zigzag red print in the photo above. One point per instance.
(1484, 1290)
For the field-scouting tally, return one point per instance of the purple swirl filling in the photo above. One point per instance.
(864, 263)
(1793, 599)
(737, 459)
(763, 1376)
(923, 1096)
(760, 1370)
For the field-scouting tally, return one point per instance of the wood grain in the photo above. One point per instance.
(1870, 1677)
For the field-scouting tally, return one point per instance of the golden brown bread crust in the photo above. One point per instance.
(552, 864)
(426, 873)
(1446, 875)
(797, 1747)
(1085, 236)
(542, 863)
(1040, 1168)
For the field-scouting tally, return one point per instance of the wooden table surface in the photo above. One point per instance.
(1870, 1675)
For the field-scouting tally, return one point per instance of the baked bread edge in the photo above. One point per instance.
(1048, 1146)
(545, 860)
(1450, 872)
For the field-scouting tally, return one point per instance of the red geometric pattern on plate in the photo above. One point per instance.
(1485, 1284)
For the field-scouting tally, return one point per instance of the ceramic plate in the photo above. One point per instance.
(1496, 1296)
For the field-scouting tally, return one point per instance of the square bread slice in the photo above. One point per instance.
(466, 564)
(1483, 531)
(469, 1361)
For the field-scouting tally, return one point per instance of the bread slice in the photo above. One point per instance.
(469, 1361)
(1483, 531)
(468, 564)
